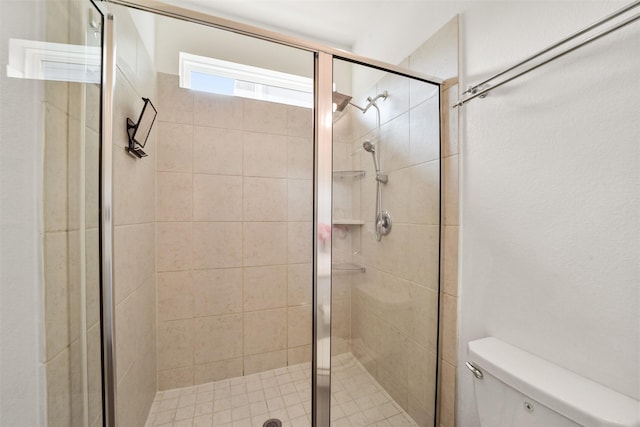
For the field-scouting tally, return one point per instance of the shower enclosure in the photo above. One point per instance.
(276, 255)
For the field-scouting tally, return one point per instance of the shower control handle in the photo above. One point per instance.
(383, 223)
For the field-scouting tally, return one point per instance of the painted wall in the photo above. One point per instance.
(22, 386)
(551, 196)
(420, 21)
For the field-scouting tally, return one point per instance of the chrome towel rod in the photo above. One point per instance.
(483, 88)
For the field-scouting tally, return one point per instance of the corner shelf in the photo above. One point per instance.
(348, 268)
(354, 174)
(348, 222)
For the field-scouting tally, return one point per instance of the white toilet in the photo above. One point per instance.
(514, 388)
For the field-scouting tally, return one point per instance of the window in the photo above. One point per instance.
(31, 59)
(233, 79)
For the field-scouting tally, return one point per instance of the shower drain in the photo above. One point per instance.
(273, 422)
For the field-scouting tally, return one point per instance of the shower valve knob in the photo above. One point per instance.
(383, 224)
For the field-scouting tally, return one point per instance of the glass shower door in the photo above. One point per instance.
(385, 247)
(70, 65)
(230, 222)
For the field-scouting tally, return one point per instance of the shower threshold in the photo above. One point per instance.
(283, 394)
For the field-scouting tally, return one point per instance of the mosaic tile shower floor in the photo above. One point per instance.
(285, 394)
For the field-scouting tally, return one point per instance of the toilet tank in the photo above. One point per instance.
(518, 389)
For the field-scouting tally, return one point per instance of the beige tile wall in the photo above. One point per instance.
(346, 193)
(439, 56)
(395, 303)
(134, 231)
(71, 281)
(449, 263)
(233, 232)
(57, 230)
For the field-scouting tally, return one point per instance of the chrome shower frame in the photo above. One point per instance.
(322, 187)
(107, 291)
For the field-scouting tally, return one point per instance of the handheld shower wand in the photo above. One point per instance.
(383, 219)
(371, 148)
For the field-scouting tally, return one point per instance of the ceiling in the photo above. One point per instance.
(309, 19)
(342, 24)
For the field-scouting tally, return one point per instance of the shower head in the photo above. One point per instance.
(340, 101)
(368, 146)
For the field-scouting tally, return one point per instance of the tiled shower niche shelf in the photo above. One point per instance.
(355, 174)
(347, 268)
(348, 222)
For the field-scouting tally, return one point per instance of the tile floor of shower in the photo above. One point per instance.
(285, 393)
